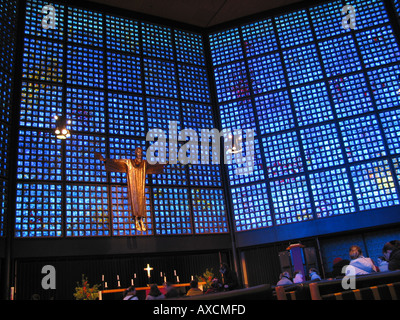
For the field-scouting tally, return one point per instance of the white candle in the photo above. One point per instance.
(161, 274)
(165, 279)
(134, 275)
(131, 282)
(177, 278)
(117, 277)
(102, 277)
(191, 277)
(175, 273)
(119, 284)
(105, 285)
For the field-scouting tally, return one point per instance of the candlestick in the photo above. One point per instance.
(119, 284)
(132, 282)
(175, 273)
(177, 279)
(191, 277)
(105, 285)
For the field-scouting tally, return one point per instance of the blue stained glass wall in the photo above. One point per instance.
(8, 30)
(114, 78)
(323, 102)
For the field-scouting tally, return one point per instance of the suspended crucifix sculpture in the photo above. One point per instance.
(136, 170)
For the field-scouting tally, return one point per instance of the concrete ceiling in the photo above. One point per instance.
(200, 13)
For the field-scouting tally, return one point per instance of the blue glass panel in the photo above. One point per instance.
(274, 112)
(160, 78)
(302, 65)
(122, 34)
(312, 104)
(161, 112)
(38, 210)
(197, 116)
(369, 13)
(209, 213)
(362, 138)
(157, 41)
(321, 147)
(39, 156)
(282, 154)
(193, 83)
(85, 27)
(251, 208)
(332, 193)
(205, 175)
(126, 115)
(259, 37)
(171, 211)
(391, 124)
(374, 185)
(87, 211)
(225, 46)
(266, 73)
(123, 72)
(350, 95)
(339, 56)
(4, 149)
(291, 200)
(3, 205)
(237, 115)
(189, 47)
(298, 21)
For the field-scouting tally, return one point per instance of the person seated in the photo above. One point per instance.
(170, 291)
(314, 276)
(284, 279)
(155, 293)
(391, 252)
(298, 277)
(361, 264)
(194, 289)
(130, 294)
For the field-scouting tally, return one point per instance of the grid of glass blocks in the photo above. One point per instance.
(266, 73)
(291, 200)
(250, 207)
(43, 60)
(332, 193)
(80, 164)
(312, 104)
(36, 12)
(378, 46)
(123, 148)
(370, 13)
(339, 56)
(350, 95)
(3, 205)
(231, 82)
(7, 45)
(225, 46)
(385, 84)
(362, 138)
(157, 41)
(85, 67)
(123, 72)
(86, 110)
(160, 78)
(302, 64)
(126, 115)
(123, 223)
(285, 24)
(38, 210)
(39, 156)
(161, 112)
(4, 143)
(374, 185)
(85, 27)
(321, 146)
(274, 112)
(209, 212)
(87, 211)
(391, 123)
(259, 37)
(396, 165)
(193, 83)
(246, 166)
(122, 34)
(326, 19)
(197, 116)
(189, 47)
(282, 154)
(172, 175)
(5, 96)
(40, 103)
(205, 175)
(237, 115)
(171, 211)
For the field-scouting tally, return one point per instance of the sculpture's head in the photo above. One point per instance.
(139, 153)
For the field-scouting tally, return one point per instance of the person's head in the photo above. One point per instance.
(154, 291)
(223, 267)
(194, 284)
(284, 275)
(355, 252)
(312, 270)
(389, 247)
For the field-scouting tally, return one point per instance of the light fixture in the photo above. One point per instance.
(61, 130)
